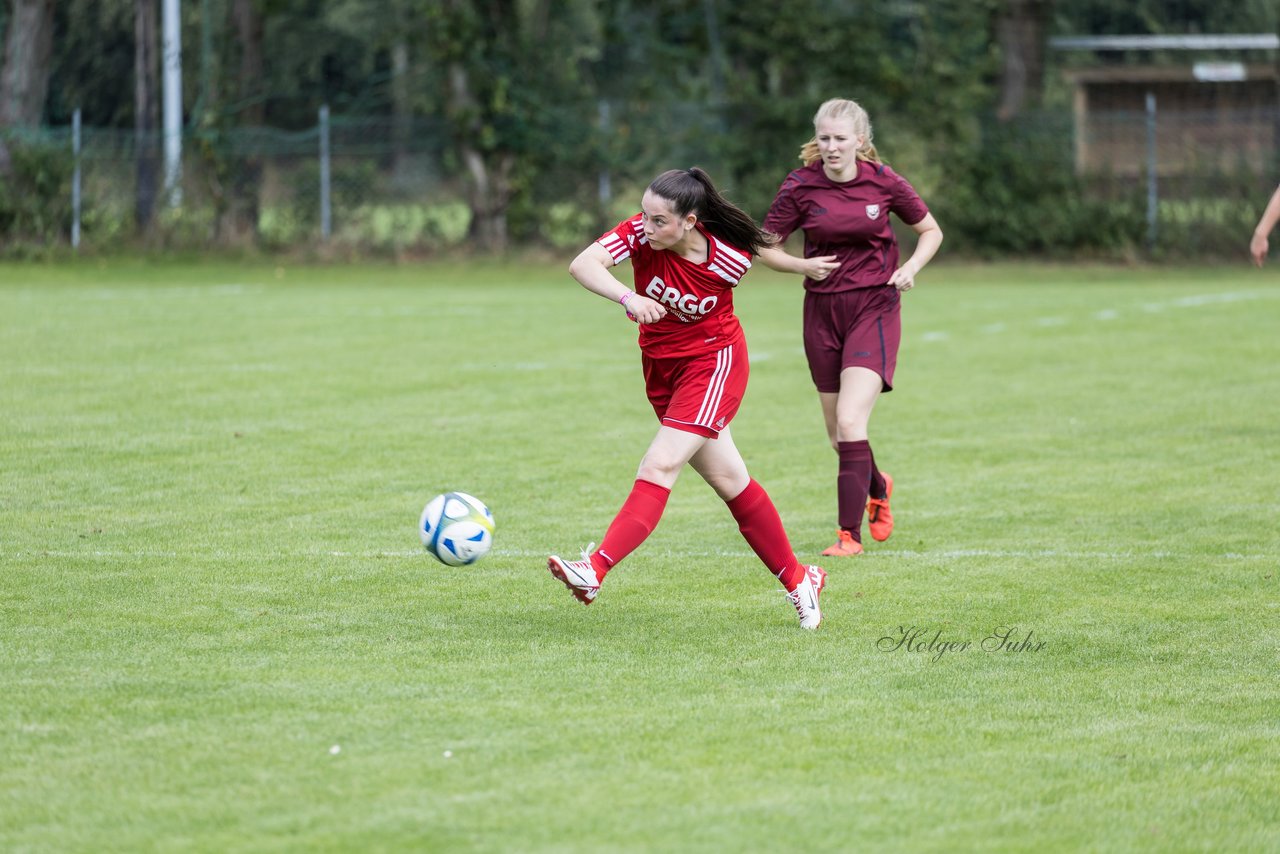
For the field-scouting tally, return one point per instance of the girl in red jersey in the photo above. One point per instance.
(841, 198)
(688, 248)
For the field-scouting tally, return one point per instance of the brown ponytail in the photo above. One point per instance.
(691, 191)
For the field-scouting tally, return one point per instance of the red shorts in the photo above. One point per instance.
(698, 394)
(858, 328)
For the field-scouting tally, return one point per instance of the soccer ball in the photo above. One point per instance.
(457, 528)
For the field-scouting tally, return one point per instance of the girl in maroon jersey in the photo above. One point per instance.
(688, 248)
(841, 198)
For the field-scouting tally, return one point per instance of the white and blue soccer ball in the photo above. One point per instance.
(457, 528)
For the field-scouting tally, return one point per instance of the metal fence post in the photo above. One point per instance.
(1153, 199)
(75, 180)
(604, 184)
(325, 213)
(171, 94)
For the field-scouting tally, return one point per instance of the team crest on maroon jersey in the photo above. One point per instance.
(873, 211)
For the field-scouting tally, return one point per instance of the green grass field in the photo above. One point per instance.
(218, 630)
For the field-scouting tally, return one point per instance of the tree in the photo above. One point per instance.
(94, 61)
(386, 27)
(24, 79)
(921, 70)
(1159, 17)
(145, 70)
(514, 89)
(1021, 30)
(240, 217)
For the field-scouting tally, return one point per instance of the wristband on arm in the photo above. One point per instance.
(622, 301)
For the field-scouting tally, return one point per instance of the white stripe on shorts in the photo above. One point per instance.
(715, 389)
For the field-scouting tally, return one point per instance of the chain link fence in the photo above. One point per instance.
(1144, 185)
(368, 183)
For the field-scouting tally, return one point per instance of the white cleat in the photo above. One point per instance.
(578, 575)
(818, 576)
(805, 598)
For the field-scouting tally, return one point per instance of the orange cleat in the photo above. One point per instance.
(846, 546)
(879, 519)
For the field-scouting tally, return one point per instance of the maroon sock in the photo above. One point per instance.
(761, 526)
(878, 486)
(852, 482)
(635, 521)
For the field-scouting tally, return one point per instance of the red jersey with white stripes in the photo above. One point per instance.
(698, 297)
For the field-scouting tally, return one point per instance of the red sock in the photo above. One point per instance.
(852, 482)
(760, 524)
(635, 521)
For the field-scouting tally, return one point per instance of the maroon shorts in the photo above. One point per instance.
(698, 394)
(859, 328)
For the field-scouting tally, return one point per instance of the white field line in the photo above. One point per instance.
(146, 292)
(948, 554)
(1194, 301)
(941, 553)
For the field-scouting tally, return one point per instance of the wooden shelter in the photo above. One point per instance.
(1201, 116)
(1207, 115)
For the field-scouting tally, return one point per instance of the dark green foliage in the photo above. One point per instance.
(93, 63)
(35, 198)
(560, 95)
(1160, 17)
(1017, 192)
